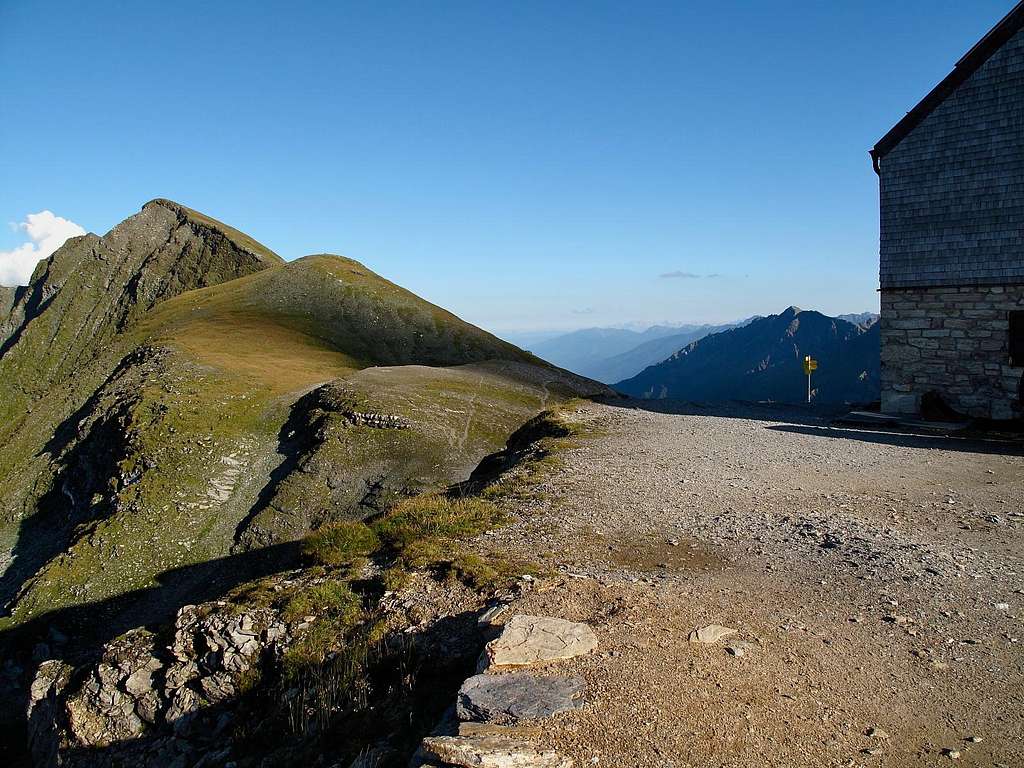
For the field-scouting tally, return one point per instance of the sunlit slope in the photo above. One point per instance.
(246, 413)
(314, 319)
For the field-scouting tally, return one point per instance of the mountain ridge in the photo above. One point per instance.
(150, 363)
(763, 361)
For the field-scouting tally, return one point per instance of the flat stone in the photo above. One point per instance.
(712, 633)
(517, 696)
(490, 752)
(534, 639)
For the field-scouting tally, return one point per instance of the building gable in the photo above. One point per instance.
(952, 187)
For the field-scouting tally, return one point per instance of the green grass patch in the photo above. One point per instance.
(334, 600)
(490, 573)
(341, 543)
(434, 516)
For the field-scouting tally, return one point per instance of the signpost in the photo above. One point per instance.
(810, 364)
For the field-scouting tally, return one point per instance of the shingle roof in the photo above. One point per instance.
(1011, 24)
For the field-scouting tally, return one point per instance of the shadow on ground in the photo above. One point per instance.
(909, 439)
(817, 421)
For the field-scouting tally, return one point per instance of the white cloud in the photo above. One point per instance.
(47, 233)
(688, 275)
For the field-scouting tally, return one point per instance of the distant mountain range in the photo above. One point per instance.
(615, 354)
(611, 354)
(763, 360)
(860, 318)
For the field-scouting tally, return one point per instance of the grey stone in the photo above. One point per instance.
(517, 696)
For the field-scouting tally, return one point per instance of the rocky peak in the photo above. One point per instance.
(93, 287)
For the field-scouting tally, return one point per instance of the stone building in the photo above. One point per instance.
(951, 181)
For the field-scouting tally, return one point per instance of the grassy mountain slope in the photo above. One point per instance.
(66, 332)
(93, 287)
(763, 361)
(267, 400)
(327, 308)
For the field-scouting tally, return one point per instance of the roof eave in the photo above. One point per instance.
(968, 64)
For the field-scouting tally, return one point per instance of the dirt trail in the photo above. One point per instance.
(877, 583)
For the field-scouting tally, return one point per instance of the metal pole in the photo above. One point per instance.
(808, 386)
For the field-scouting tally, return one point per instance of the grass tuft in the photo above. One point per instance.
(491, 573)
(333, 600)
(340, 543)
(432, 517)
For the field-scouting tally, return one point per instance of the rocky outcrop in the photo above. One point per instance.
(158, 703)
(8, 300)
(329, 471)
(490, 705)
(92, 287)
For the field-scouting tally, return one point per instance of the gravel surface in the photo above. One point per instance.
(875, 581)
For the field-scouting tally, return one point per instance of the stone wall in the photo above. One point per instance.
(951, 340)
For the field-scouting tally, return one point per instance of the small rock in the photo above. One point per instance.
(952, 754)
(876, 733)
(737, 648)
(489, 616)
(712, 633)
(974, 739)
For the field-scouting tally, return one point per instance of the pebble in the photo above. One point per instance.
(711, 633)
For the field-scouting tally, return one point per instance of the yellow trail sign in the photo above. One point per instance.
(810, 364)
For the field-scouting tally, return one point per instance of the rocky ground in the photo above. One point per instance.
(875, 582)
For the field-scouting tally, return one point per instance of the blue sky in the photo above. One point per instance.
(527, 165)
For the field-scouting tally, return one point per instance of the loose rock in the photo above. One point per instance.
(712, 633)
(510, 698)
(534, 639)
(490, 752)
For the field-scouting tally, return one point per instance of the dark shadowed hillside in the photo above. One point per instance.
(763, 361)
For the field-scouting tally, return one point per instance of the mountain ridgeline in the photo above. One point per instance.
(763, 361)
(613, 354)
(179, 407)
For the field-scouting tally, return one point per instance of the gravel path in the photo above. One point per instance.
(876, 582)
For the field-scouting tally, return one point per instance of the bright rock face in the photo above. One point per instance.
(536, 639)
(490, 752)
